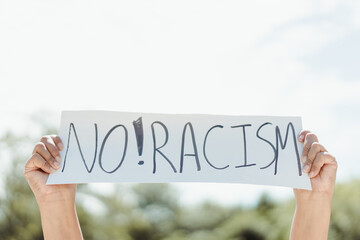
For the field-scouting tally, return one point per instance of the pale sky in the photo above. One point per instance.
(219, 57)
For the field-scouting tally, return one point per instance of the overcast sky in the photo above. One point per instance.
(221, 57)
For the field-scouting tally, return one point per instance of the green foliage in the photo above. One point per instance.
(19, 218)
(152, 212)
(346, 212)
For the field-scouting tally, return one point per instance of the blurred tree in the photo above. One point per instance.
(345, 217)
(18, 220)
(265, 204)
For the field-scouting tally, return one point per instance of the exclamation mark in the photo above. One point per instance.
(139, 132)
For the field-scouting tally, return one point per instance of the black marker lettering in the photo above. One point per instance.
(139, 133)
(195, 154)
(78, 143)
(206, 136)
(245, 152)
(156, 149)
(103, 145)
(282, 145)
(272, 146)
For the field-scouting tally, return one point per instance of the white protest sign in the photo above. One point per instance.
(102, 146)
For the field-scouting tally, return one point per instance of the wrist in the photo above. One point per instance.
(307, 196)
(55, 199)
(54, 206)
(316, 197)
(56, 195)
(314, 200)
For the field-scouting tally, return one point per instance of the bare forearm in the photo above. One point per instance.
(311, 220)
(60, 221)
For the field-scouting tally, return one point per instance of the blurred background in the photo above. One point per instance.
(287, 58)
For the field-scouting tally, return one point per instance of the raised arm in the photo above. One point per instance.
(313, 208)
(56, 202)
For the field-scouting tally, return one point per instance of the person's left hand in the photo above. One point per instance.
(46, 159)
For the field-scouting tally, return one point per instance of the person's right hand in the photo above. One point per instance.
(313, 207)
(46, 159)
(321, 167)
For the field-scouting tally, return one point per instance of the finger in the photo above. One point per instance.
(51, 147)
(37, 162)
(310, 138)
(314, 150)
(307, 166)
(322, 158)
(58, 142)
(41, 149)
(302, 134)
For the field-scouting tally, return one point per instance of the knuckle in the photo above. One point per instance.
(311, 136)
(307, 147)
(315, 146)
(320, 157)
(54, 151)
(51, 148)
(57, 139)
(39, 146)
(308, 162)
(44, 139)
(33, 159)
(333, 159)
(315, 170)
(315, 167)
(319, 160)
(312, 157)
(35, 156)
(330, 156)
(305, 131)
(54, 137)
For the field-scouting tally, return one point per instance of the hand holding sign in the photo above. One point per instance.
(321, 168)
(137, 147)
(313, 208)
(45, 159)
(56, 202)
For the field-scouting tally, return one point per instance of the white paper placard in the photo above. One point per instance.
(103, 146)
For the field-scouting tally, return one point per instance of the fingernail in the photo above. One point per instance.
(303, 159)
(52, 170)
(301, 137)
(311, 174)
(57, 165)
(306, 169)
(58, 159)
(61, 146)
